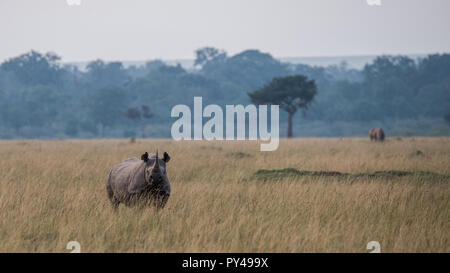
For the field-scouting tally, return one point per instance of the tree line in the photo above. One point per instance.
(40, 97)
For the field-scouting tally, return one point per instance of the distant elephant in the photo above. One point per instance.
(376, 134)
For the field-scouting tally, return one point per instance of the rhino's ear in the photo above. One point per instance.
(166, 157)
(144, 157)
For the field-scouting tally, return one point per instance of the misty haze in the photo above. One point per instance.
(93, 160)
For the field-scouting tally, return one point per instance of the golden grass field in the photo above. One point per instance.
(53, 192)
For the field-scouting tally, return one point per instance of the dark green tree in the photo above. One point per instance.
(291, 93)
(35, 68)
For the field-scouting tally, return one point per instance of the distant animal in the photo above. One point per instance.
(376, 134)
(139, 182)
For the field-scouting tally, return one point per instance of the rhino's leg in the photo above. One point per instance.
(114, 202)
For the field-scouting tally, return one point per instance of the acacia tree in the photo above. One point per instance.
(290, 93)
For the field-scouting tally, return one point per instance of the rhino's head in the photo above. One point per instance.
(156, 175)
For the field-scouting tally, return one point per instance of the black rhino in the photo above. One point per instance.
(139, 182)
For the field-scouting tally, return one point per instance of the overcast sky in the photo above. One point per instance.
(173, 29)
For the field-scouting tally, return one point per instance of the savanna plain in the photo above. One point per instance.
(310, 195)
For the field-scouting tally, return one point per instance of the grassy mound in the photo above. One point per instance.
(265, 175)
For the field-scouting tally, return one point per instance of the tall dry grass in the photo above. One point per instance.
(53, 192)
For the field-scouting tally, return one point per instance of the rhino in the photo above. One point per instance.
(139, 182)
(376, 134)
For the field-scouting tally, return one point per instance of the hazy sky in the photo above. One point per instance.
(173, 29)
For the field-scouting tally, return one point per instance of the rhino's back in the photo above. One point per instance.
(122, 175)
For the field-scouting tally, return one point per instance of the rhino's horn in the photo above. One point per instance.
(156, 160)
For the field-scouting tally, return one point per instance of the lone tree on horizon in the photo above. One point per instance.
(291, 93)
